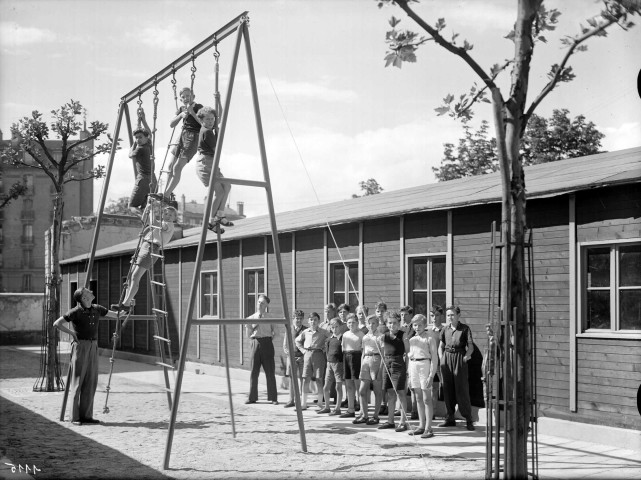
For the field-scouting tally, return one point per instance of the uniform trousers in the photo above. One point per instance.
(455, 385)
(84, 378)
(263, 354)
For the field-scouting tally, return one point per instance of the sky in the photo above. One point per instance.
(332, 114)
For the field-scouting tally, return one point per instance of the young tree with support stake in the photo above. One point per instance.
(31, 135)
(510, 115)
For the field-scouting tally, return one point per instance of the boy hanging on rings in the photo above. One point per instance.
(205, 160)
(188, 141)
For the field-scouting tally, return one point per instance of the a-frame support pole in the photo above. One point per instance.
(199, 258)
(122, 111)
(272, 217)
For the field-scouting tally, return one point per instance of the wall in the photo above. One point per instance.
(20, 318)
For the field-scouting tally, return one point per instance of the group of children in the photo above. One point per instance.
(365, 353)
(198, 135)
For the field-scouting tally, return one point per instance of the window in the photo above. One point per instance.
(209, 294)
(26, 282)
(426, 283)
(254, 286)
(27, 232)
(343, 284)
(612, 287)
(27, 258)
(28, 181)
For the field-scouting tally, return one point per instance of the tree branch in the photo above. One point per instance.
(555, 79)
(460, 51)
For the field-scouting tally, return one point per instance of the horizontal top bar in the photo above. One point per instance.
(184, 59)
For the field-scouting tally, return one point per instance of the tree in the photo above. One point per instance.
(119, 207)
(370, 187)
(510, 115)
(544, 141)
(32, 134)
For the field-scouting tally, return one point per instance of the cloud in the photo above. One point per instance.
(171, 36)
(627, 135)
(13, 35)
(315, 91)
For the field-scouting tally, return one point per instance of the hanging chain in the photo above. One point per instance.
(153, 130)
(193, 71)
(139, 111)
(216, 91)
(173, 84)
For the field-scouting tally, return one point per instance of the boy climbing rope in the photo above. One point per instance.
(207, 139)
(188, 142)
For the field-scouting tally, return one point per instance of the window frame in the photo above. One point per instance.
(429, 291)
(614, 288)
(347, 292)
(215, 294)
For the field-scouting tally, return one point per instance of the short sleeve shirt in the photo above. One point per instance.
(141, 156)
(85, 320)
(189, 122)
(353, 342)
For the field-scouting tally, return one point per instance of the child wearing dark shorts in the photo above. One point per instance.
(334, 372)
(395, 370)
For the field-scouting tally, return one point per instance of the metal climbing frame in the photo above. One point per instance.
(239, 25)
(499, 383)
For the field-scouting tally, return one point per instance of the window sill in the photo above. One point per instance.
(611, 335)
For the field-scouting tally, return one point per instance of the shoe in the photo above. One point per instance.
(222, 221)
(470, 426)
(157, 196)
(397, 413)
(417, 431)
(117, 307)
(336, 411)
(323, 410)
(344, 403)
(428, 434)
(304, 407)
(414, 416)
(347, 415)
(289, 405)
(401, 428)
(274, 402)
(91, 421)
(386, 425)
(215, 227)
(448, 423)
(373, 421)
(358, 420)
(248, 402)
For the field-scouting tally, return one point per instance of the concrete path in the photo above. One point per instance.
(131, 441)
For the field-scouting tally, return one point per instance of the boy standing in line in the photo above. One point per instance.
(370, 373)
(312, 342)
(335, 370)
(352, 344)
(294, 372)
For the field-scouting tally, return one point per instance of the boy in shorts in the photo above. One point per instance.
(205, 161)
(394, 371)
(335, 371)
(423, 362)
(352, 345)
(188, 141)
(312, 343)
(145, 258)
(370, 373)
(140, 153)
(295, 373)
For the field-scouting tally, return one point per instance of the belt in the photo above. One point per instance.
(455, 350)
(419, 359)
(371, 355)
(314, 349)
(393, 356)
(259, 338)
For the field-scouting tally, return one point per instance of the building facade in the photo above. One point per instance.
(24, 221)
(432, 245)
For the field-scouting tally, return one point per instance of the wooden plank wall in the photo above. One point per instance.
(381, 262)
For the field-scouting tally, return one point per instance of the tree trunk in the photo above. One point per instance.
(52, 297)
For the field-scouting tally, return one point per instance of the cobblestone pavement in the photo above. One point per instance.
(131, 441)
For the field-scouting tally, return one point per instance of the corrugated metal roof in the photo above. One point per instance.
(545, 180)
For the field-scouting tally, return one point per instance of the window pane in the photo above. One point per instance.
(438, 298)
(251, 282)
(250, 306)
(214, 305)
(338, 298)
(261, 281)
(353, 275)
(419, 302)
(630, 266)
(339, 278)
(598, 309)
(630, 310)
(353, 302)
(420, 275)
(205, 305)
(438, 274)
(598, 267)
